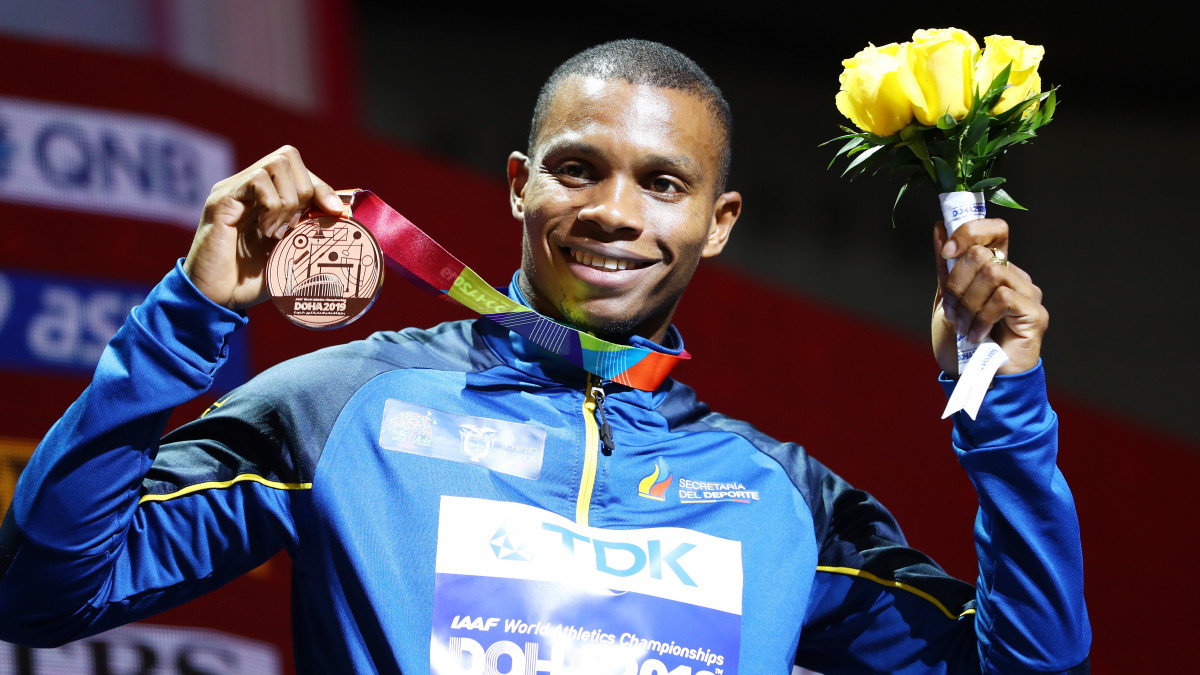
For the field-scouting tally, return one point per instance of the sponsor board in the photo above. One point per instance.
(87, 159)
(146, 648)
(523, 590)
(56, 325)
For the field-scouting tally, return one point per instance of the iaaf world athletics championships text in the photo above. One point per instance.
(595, 635)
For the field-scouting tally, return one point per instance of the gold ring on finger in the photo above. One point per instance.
(998, 257)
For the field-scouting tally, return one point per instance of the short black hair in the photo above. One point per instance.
(649, 63)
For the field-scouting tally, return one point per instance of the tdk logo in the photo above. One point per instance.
(651, 558)
(509, 546)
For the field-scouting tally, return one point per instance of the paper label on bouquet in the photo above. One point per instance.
(977, 362)
(975, 378)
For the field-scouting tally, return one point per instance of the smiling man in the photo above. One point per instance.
(461, 500)
(623, 193)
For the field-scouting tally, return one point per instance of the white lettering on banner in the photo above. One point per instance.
(502, 539)
(144, 648)
(72, 328)
(85, 159)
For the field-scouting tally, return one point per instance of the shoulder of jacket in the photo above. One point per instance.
(809, 476)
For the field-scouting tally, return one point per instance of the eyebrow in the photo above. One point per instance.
(692, 172)
(684, 163)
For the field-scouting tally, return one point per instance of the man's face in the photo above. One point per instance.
(619, 204)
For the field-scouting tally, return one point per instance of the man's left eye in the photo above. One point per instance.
(662, 184)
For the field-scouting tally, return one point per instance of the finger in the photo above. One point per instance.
(975, 280)
(989, 232)
(288, 208)
(257, 192)
(301, 179)
(1020, 312)
(325, 196)
(309, 187)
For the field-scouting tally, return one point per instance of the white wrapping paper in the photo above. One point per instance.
(977, 362)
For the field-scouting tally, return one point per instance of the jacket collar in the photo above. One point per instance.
(546, 367)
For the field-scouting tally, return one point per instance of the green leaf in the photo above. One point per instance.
(862, 157)
(853, 142)
(850, 145)
(1001, 80)
(1014, 138)
(986, 184)
(838, 138)
(1048, 108)
(872, 164)
(999, 196)
(946, 180)
(896, 203)
(1015, 113)
(995, 90)
(976, 132)
(946, 122)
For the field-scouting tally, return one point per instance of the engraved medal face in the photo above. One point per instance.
(325, 273)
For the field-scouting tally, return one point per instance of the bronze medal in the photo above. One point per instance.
(325, 273)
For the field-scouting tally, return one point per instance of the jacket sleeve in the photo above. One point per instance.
(879, 606)
(107, 524)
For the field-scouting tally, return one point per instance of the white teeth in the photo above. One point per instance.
(599, 262)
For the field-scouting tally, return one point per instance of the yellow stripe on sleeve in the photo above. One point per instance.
(217, 485)
(850, 571)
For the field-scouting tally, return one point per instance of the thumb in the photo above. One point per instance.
(326, 198)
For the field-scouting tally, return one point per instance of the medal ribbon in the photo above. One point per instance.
(432, 268)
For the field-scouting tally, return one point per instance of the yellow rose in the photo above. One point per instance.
(998, 52)
(876, 90)
(943, 62)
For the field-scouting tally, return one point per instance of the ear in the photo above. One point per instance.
(725, 213)
(518, 174)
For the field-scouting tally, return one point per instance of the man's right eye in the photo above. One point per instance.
(572, 170)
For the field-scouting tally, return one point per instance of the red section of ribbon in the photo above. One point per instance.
(418, 257)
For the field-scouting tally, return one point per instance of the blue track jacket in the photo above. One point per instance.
(455, 500)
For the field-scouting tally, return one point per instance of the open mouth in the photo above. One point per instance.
(602, 263)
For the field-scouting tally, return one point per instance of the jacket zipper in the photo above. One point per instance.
(597, 436)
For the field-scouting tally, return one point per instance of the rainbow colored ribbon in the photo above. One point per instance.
(427, 265)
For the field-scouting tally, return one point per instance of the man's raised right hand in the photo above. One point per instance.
(243, 217)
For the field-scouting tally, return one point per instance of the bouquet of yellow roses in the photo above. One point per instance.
(941, 107)
(938, 107)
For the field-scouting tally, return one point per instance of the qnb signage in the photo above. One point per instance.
(84, 159)
(142, 649)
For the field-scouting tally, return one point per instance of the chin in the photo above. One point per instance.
(614, 329)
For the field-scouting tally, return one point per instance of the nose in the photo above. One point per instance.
(614, 204)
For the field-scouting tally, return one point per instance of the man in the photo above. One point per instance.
(563, 551)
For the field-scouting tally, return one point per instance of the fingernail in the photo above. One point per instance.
(949, 249)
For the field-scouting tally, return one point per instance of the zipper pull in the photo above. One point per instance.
(607, 445)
